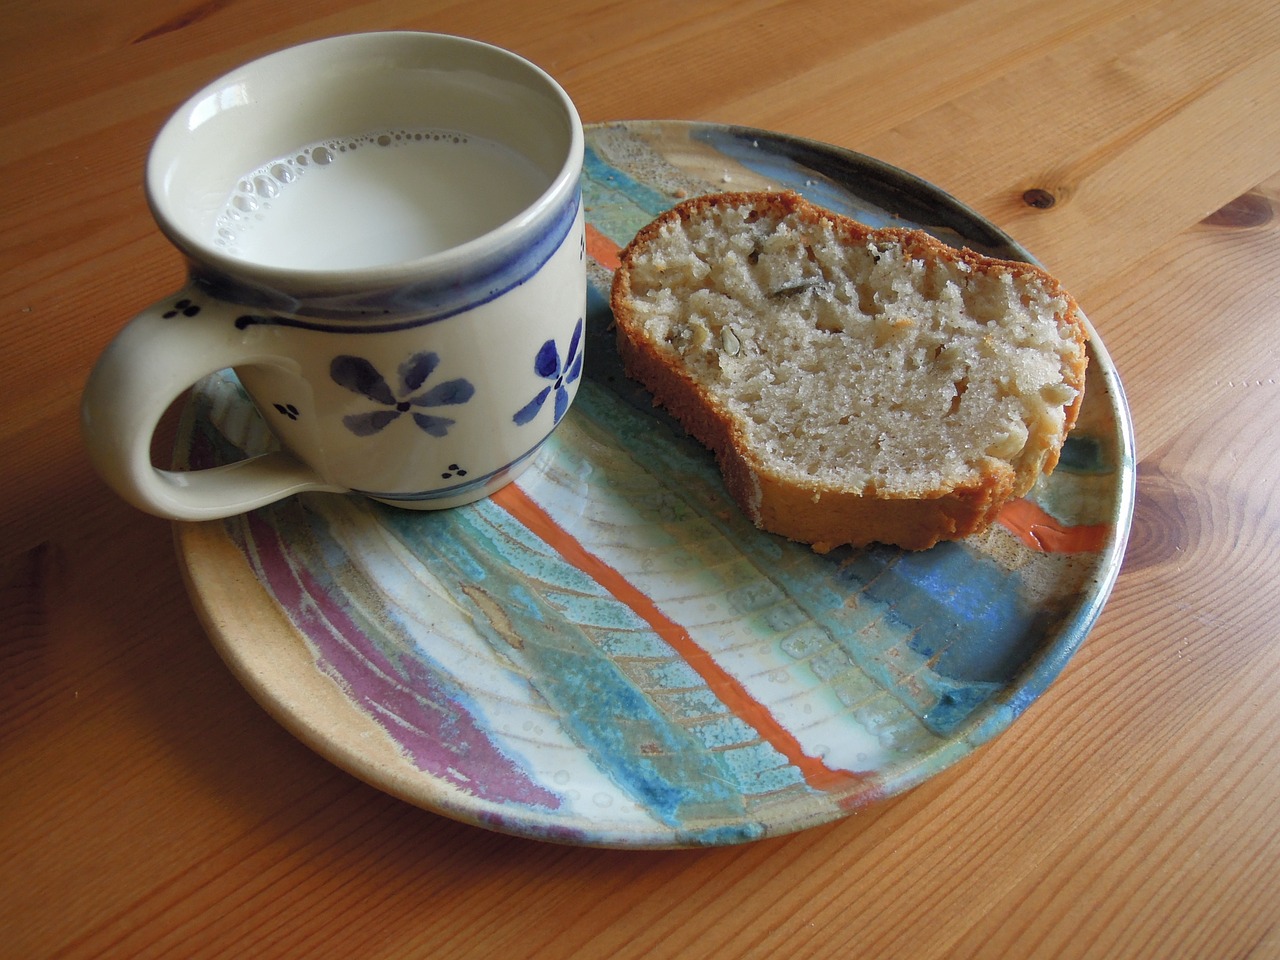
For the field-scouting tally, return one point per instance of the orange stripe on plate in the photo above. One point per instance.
(603, 250)
(1039, 531)
(731, 693)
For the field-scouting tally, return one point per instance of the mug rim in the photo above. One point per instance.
(206, 255)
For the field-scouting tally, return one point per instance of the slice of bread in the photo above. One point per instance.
(856, 385)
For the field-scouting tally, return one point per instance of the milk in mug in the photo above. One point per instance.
(375, 200)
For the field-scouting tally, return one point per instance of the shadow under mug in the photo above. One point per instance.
(425, 368)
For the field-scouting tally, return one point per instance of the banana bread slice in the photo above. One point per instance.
(856, 385)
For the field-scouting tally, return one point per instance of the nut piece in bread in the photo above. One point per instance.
(856, 385)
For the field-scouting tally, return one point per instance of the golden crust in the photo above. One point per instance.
(822, 514)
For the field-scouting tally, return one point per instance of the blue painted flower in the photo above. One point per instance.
(548, 366)
(360, 376)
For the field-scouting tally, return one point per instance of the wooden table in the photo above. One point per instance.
(149, 807)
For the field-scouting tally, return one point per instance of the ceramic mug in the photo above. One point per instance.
(384, 239)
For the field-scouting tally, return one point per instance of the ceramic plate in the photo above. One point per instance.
(606, 652)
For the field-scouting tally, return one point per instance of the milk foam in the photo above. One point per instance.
(376, 199)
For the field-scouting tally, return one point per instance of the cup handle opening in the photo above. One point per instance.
(161, 352)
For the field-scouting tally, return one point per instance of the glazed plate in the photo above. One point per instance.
(607, 652)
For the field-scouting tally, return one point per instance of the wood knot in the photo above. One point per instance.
(1166, 520)
(185, 18)
(1249, 210)
(1039, 198)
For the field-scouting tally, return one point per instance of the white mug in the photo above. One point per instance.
(384, 235)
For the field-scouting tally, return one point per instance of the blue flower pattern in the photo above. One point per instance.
(548, 365)
(360, 376)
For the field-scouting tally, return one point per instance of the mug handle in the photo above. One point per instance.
(160, 353)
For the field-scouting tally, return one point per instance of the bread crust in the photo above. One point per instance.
(823, 514)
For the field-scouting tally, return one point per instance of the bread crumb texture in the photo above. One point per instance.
(877, 363)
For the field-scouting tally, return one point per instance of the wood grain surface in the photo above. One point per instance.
(148, 807)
